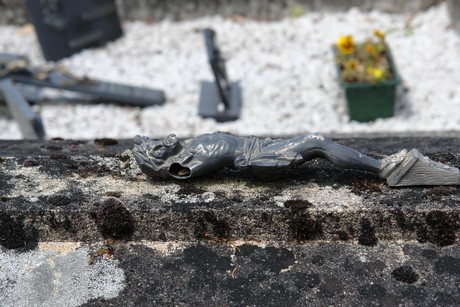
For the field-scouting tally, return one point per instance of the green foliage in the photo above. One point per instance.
(297, 11)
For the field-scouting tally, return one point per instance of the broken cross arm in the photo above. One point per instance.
(220, 99)
(16, 69)
(30, 123)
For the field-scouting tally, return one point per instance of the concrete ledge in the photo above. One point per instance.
(63, 190)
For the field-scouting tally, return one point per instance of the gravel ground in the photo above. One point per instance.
(286, 70)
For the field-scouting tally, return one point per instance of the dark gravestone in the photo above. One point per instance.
(65, 27)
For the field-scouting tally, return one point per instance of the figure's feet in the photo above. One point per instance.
(413, 168)
(388, 164)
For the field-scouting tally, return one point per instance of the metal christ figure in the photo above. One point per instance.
(267, 157)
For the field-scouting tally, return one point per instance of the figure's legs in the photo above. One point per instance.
(311, 146)
(401, 169)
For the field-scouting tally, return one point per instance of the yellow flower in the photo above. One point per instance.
(346, 44)
(371, 50)
(379, 34)
(351, 64)
(377, 73)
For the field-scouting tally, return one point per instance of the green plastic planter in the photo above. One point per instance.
(367, 102)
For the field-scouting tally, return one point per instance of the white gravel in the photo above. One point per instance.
(286, 70)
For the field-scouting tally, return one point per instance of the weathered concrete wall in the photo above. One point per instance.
(230, 274)
(317, 237)
(12, 11)
(81, 191)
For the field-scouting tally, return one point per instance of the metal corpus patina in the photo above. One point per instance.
(267, 157)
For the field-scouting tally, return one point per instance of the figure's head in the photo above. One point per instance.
(152, 155)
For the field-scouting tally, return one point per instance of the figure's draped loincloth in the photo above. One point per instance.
(255, 159)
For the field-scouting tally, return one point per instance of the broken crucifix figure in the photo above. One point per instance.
(183, 159)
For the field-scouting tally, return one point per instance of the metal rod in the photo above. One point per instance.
(30, 123)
